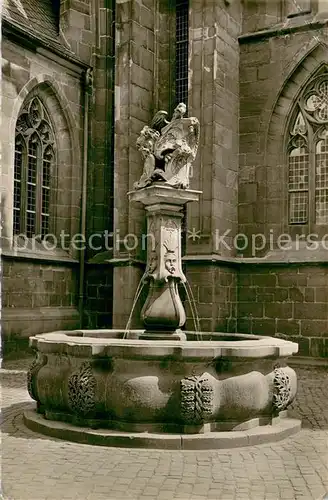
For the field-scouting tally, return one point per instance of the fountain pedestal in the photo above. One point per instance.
(163, 312)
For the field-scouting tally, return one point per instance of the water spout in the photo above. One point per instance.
(192, 303)
(135, 300)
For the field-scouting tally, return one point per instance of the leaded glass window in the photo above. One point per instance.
(308, 155)
(321, 180)
(298, 183)
(19, 152)
(33, 166)
(182, 47)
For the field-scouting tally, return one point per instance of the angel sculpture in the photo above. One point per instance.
(168, 148)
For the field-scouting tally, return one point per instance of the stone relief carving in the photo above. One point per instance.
(151, 270)
(163, 259)
(170, 261)
(168, 148)
(32, 373)
(81, 390)
(196, 399)
(281, 389)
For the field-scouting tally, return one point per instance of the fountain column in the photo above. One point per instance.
(163, 313)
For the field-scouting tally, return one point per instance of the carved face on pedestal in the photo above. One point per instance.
(170, 262)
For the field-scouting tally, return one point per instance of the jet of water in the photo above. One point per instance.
(192, 303)
(135, 300)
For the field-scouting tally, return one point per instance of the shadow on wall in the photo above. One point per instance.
(3, 221)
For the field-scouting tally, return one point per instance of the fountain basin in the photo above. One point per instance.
(97, 379)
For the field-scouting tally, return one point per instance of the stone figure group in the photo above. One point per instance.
(168, 148)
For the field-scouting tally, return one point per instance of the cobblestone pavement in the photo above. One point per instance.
(38, 468)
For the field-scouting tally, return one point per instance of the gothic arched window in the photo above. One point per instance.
(33, 165)
(308, 155)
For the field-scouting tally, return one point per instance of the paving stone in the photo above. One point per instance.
(34, 466)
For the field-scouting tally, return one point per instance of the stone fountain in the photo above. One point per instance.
(161, 387)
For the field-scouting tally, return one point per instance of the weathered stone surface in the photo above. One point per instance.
(168, 149)
(131, 384)
(163, 310)
(289, 303)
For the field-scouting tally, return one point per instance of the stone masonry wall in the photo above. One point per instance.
(77, 19)
(288, 301)
(137, 44)
(61, 94)
(272, 72)
(214, 100)
(215, 291)
(292, 299)
(258, 15)
(164, 56)
(100, 190)
(36, 284)
(38, 297)
(98, 296)
(101, 125)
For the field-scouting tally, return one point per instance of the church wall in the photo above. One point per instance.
(261, 14)
(98, 296)
(40, 287)
(37, 297)
(267, 68)
(100, 179)
(241, 88)
(214, 100)
(288, 300)
(214, 288)
(77, 23)
(101, 118)
(142, 47)
(87, 28)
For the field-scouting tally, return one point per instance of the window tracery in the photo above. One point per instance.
(33, 164)
(307, 152)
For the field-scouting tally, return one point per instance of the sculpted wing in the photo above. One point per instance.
(159, 121)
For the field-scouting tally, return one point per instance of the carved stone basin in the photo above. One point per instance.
(228, 382)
